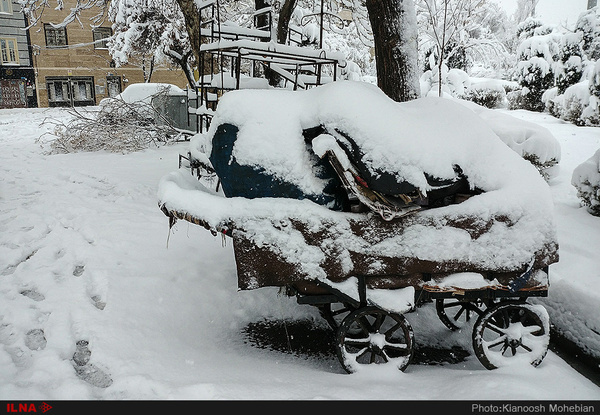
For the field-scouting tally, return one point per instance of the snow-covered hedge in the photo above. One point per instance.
(531, 141)
(560, 71)
(490, 94)
(580, 103)
(456, 83)
(535, 70)
(586, 179)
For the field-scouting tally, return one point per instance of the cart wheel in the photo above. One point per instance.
(455, 314)
(335, 313)
(510, 332)
(371, 335)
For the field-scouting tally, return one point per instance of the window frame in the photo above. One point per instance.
(114, 79)
(70, 88)
(100, 43)
(9, 7)
(7, 41)
(48, 28)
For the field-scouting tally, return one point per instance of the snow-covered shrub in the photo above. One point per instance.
(591, 114)
(531, 141)
(117, 126)
(532, 27)
(535, 77)
(458, 82)
(586, 179)
(569, 68)
(538, 50)
(455, 82)
(534, 72)
(588, 24)
(580, 103)
(549, 98)
(489, 94)
(572, 102)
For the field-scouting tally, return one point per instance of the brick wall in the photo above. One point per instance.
(80, 59)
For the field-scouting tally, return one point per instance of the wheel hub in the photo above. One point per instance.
(377, 341)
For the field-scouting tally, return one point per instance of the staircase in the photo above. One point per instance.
(235, 57)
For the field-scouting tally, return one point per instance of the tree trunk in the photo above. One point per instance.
(192, 25)
(283, 24)
(395, 36)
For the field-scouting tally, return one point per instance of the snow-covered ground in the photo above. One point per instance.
(86, 255)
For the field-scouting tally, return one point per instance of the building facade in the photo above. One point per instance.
(67, 66)
(17, 76)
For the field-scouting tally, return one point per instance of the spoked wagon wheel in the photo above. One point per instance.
(334, 313)
(370, 335)
(510, 332)
(455, 313)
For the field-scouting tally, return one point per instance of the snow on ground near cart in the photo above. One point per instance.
(85, 254)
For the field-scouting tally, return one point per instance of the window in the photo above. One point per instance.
(101, 35)
(58, 92)
(70, 91)
(113, 84)
(6, 6)
(9, 51)
(55, 36)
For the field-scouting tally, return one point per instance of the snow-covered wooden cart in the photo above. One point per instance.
(367, 209)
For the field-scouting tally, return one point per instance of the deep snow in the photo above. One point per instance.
(85, 254)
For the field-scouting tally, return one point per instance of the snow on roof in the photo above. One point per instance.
(428, 135)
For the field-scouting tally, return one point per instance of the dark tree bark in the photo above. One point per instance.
(283, 24)
(394, 33)
(192, 24)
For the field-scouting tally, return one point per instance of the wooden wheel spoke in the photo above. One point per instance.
(500, 340)
(364, 324)
(362, 352)
(378, 322)
(511, 329)
(526, 347)
(399, 349)
(357, 342)
(495, 328)
(370, 335)
(392, 329)
(459, 313)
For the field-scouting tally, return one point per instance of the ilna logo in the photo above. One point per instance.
(27, 407)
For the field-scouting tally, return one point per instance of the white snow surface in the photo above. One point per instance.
(85, 254)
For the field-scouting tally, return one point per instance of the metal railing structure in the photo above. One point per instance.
(235, 57)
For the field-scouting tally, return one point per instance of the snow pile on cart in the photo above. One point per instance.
(340, 190)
